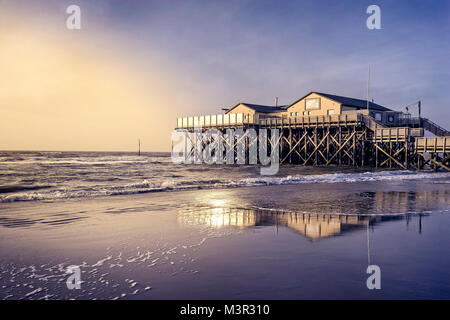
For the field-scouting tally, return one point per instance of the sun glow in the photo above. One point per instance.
(61, 91)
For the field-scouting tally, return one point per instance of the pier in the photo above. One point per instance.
(324, 129)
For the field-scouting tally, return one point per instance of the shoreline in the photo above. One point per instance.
(172, 243)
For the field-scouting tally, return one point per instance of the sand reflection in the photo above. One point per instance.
(320, 219)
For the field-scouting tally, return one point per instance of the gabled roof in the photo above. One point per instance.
(260, 108)
(348, 102)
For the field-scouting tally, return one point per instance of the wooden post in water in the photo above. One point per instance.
(139, 147)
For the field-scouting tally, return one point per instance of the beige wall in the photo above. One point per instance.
(347, 110)
(241, 108)
(325, 104)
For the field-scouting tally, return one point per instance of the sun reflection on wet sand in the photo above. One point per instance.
(317, 218)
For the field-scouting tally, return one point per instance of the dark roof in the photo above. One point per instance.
(260, 108)
(346, 101)
(355, 103)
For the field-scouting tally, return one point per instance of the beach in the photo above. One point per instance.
(221, 157)
(276, 241)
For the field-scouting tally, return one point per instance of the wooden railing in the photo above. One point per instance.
(432, 127)
(409, 121)
(237, 119)
(312, 121)
(218, 120)
(372, 124)
(383, 133)
(433, 144)
(391, 134)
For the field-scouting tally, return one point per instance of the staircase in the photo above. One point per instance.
(372, 124)
(425, 123)
(434, 128)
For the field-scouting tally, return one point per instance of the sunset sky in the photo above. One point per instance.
(135, 66)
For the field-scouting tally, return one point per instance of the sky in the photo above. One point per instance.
(135, 66)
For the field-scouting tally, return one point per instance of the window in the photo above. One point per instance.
(291, 114)
(378, 116)
(309, 113)
(305, 113)
(296, 114)
(391, 118)
(312, 103)
(330, 112)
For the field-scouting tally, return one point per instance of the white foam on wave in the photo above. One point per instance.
(348, 177)
(291, 179)
(173, 185)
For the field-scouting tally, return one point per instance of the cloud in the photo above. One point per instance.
(135, 66)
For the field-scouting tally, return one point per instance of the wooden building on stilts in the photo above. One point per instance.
(326, 129)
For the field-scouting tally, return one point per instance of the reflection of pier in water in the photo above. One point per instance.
(366, 208)
(311, 225)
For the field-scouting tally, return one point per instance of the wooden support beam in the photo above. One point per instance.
(290, 142)
(315, 149)
(390, 157)
(340, 148)
(434, 161)
(297, 143)
(395, 154)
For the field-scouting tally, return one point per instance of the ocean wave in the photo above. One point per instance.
(15, 188)
(88, 160)
(147, 186)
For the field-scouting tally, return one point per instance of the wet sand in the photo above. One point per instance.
(266, 242)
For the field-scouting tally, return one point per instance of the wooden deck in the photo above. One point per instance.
(397, 134)
(347, 139)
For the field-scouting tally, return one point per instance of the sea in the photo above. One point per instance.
(143, 227)
(52, 176)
